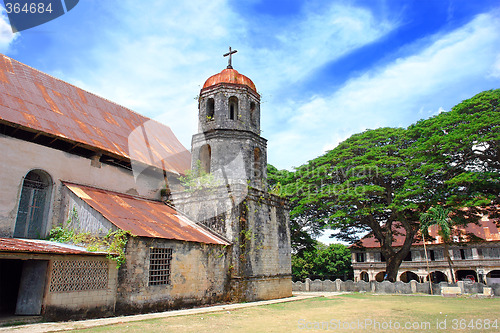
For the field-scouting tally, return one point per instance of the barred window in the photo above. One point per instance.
(159, 266)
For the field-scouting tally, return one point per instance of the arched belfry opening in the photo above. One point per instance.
(253, 116)
(233, 107)
(205, 157)
(210, 109)
(31, 221)
(257, 162)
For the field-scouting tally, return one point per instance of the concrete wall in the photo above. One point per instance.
(386, 287)
(77, 304)
(19, 157)
(199, 275)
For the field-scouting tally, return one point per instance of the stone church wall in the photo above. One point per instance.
(19, 157)
(257, 223)
(267, 250)
(199, 274)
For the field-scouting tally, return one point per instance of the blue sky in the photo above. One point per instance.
(325, 69)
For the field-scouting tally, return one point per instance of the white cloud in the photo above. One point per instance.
(7, 37)
(318, 37)
(156, 64)
(393, 95)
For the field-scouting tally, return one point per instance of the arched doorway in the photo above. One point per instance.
(364, 277)
(466, 275)
(437, 277)
(32, 213)
(380, 276)
(493, 277)
(408, 276)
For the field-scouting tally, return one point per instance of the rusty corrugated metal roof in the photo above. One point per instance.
(41, 246)
(144, 217)
(45, 104)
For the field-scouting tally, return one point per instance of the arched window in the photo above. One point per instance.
(210, 109)
(205, 157)
(32, 213)
(233, 107)
(256, 163)
(253, 116)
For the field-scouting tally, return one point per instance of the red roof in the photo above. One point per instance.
(41, 246)
(229, 76)
(37, 101)
(486, 230)
(144, 217)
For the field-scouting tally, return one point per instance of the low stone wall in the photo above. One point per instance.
(386, 287)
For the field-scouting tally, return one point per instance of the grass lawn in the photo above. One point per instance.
(420, 313)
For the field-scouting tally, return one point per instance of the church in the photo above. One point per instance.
(193, 228)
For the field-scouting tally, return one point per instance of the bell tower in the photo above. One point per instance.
(228, 143)
(237, 206)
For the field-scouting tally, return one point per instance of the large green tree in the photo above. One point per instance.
(382, 180)
(459, 154)
(360, 186)
(323, 262)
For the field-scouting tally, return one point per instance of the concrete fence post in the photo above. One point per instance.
(308, 284)
(413, 285)
(461, 286)
(338, 284)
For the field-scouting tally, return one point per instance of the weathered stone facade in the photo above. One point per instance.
(199, 275)
(257, 224)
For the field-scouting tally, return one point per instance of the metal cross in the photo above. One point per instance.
(230, 53)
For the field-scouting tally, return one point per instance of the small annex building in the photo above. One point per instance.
(74, 160)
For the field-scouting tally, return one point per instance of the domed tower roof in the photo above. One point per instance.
(230, 76)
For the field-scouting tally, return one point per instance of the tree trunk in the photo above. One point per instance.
(392, 268)
(450, 263)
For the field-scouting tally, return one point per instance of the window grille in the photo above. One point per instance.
(159, 266)
(79, 275)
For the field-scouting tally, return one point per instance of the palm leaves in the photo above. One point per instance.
(439, 216)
